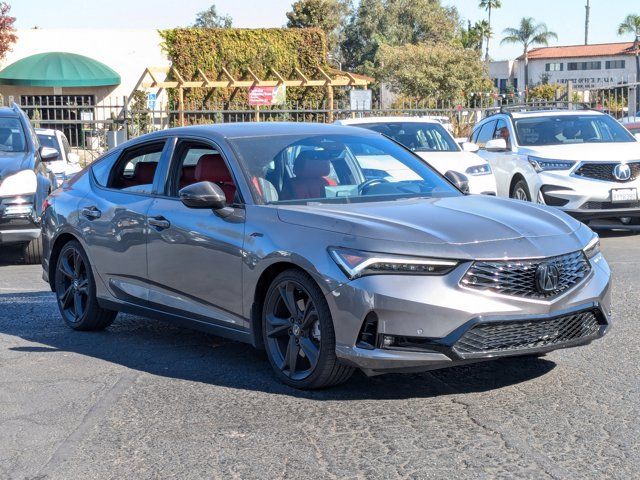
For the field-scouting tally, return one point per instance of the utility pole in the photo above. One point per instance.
(586, 23)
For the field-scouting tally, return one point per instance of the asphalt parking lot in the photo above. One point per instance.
(146, 400)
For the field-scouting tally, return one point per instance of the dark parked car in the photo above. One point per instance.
(25, 181)
(271, 234)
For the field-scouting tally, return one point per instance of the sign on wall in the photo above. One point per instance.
(267, 95)
(360, 99)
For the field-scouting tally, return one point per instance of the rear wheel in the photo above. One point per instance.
(520, 191)
(32, 251)
(298, 333)
(76, 291)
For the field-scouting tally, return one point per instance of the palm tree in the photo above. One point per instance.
(489, 5)
(631, 24)
(528, 34)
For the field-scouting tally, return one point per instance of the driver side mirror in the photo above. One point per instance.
(205, 195)
(460, 181)
(48, 154)
(496, 145)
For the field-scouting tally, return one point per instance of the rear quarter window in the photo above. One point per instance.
(102, 168)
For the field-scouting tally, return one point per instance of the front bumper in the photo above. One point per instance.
(482, 184)
(584, 198)
(435, 313)
(18, 220)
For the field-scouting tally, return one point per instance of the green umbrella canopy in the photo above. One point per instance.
(58, 69)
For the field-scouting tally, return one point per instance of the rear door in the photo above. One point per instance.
(113, 218)
(195, 255)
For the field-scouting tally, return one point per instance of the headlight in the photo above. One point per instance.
(356, 263)
(545, 164)
(593, 247)
(21, 183)
(479, 170)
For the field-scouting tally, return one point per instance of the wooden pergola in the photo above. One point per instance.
(161, 78)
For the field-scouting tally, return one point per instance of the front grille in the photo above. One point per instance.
(514, 335)
(604, 171)
(518, 277)
(608, 205)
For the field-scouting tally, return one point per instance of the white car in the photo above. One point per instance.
(67, 163)
(582, 161)
(431, 141)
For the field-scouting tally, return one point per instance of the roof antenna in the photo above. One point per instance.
(587, 8)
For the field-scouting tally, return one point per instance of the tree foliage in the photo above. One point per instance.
(528, 34)
(437, 70)
(630, 25)
(328, 15)
(282, 49)
(394, 23)
(210, 18)
(473, 36)
(7, 30)
(489, 5)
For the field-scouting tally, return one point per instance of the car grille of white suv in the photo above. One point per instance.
(604, 171)
(518, 277)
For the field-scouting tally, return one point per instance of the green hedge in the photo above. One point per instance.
(239, 49)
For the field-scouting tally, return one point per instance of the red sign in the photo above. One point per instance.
(267, 95)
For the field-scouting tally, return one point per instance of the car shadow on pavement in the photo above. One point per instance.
(10, 255)
(159, 348)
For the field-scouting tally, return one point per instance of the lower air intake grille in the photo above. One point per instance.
(508, 336)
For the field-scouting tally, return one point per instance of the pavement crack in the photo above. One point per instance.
(97, 411)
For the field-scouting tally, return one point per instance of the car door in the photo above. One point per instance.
(113, 217)
(496, 160)
(195, 255)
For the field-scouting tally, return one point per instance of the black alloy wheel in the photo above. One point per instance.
(298, 333)
(75, 291)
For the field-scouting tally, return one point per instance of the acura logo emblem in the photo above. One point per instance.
(547, 278)
(622, 172)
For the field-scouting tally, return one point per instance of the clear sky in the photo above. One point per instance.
(565, 17)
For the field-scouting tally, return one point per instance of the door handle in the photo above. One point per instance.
(91, 213)
(160, 223)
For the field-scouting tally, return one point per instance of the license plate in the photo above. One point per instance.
(619, 195)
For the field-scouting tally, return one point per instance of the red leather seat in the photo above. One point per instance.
(211, 168)
(188, 176)
(310, 180)
(143, 172)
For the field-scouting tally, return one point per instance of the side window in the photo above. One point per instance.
(485, 133)
(502, 131)
(198, 162)
(136, 168)
(102, 168)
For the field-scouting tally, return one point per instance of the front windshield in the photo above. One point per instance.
(49, 141)
(570, 129)
(11, 135)
(335, 169)
(419, 137)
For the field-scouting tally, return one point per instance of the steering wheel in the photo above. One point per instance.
(369, 183)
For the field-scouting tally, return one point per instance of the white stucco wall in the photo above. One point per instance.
(127, 51)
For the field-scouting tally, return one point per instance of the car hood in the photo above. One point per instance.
(605, 152)
(456, 161)
(12, 162)
(461, 227)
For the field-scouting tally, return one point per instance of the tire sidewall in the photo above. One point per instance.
(327, 337)
(91, 296)
(521, 185)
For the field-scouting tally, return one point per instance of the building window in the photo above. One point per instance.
(584, 66)
(615, 64)
(554, 67)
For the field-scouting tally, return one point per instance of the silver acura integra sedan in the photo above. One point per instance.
(274, 234)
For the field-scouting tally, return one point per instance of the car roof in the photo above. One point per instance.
(555, 113)
(8, 112)
(368, 120)
(45, 131)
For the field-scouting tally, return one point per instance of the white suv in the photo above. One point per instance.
(581, 161)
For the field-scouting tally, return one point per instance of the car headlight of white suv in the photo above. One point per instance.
(546, 164)
(479, 170)
(21, 183)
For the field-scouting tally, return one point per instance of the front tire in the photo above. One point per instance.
(75, 290)
(298, 333)
(520, 191)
